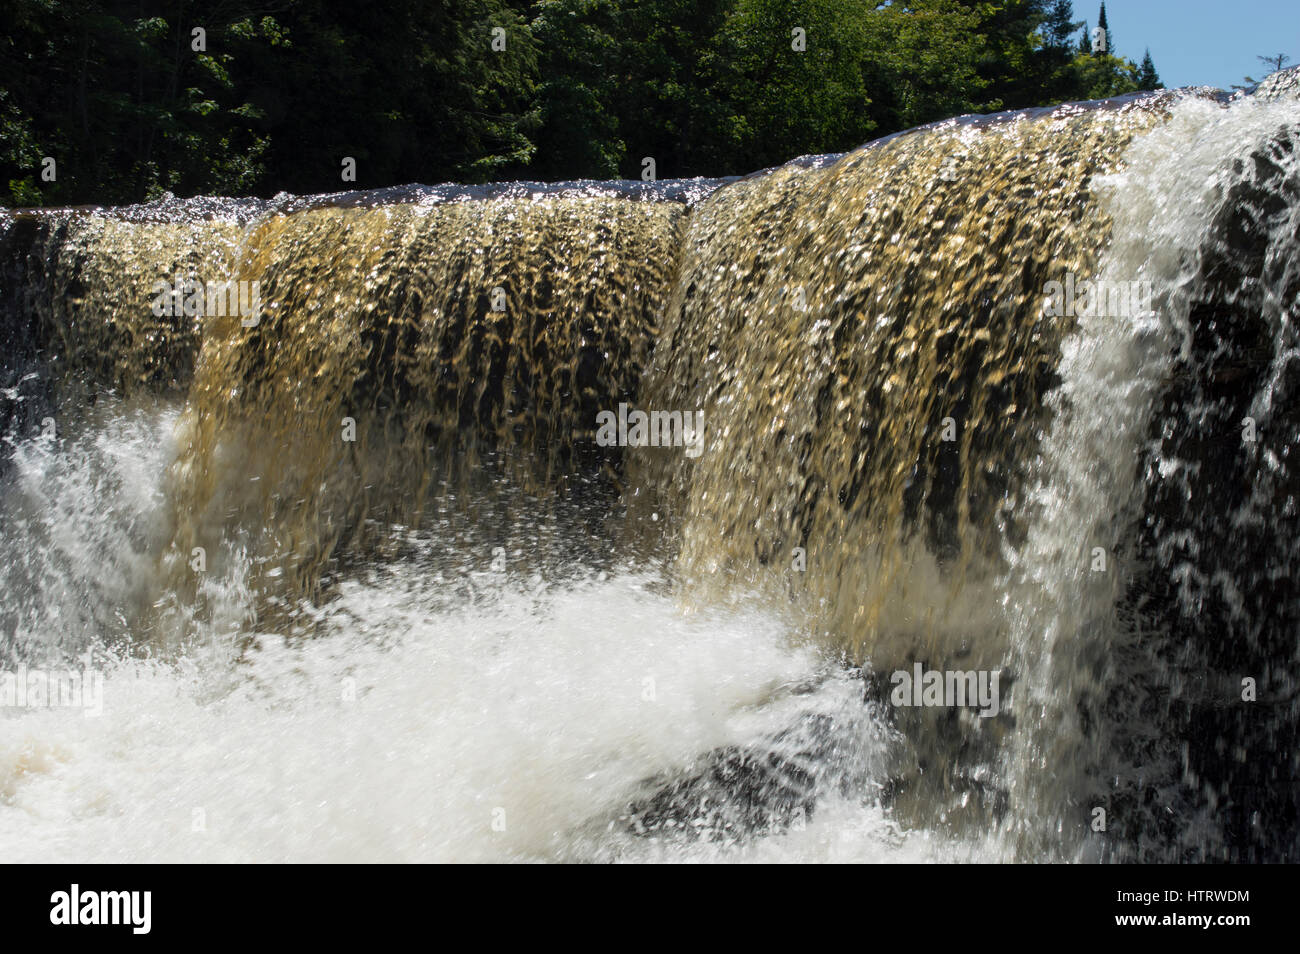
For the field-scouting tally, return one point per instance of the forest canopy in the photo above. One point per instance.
(114, 102)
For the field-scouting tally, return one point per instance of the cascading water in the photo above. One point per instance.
(363, 580)
(1109, 658)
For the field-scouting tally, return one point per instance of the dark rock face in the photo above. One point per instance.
(1213, 595)
(26, 394)
(739, 792)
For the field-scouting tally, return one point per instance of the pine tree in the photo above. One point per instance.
(1058, 25)
(1085, 41)
(1147, 77)
(1277, 62)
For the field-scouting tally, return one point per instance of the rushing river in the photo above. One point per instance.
(381, 564)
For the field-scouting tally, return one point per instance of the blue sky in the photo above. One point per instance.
(1201, 42)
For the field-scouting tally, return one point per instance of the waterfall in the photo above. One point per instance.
(596, 521)
(1105, 661)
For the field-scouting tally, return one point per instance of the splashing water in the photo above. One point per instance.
(474, 632)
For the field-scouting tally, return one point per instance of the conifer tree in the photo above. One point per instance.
(1276, 62)
(1147, 77)
(1059, 25)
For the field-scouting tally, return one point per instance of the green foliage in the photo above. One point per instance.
(579, 133)
(1100, 77)
(787, 100)
(121, 103)
(719, 88)
(1147, 77)
(413, 90)
(927, 61)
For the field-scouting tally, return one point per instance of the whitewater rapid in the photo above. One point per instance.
(512, 722)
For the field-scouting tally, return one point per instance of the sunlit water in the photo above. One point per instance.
(447, 712)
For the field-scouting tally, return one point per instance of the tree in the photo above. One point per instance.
(813, 90)
(670, 66)
(932, 59)
(726, 86)
(1008, 62)
(1147, 77)
(127, 101)
(579, 134)
(1059, 25)
(414, 90)
(1055, 57)
(271, 95)
(1101, 76)
(131, 102)
(1277, 62)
